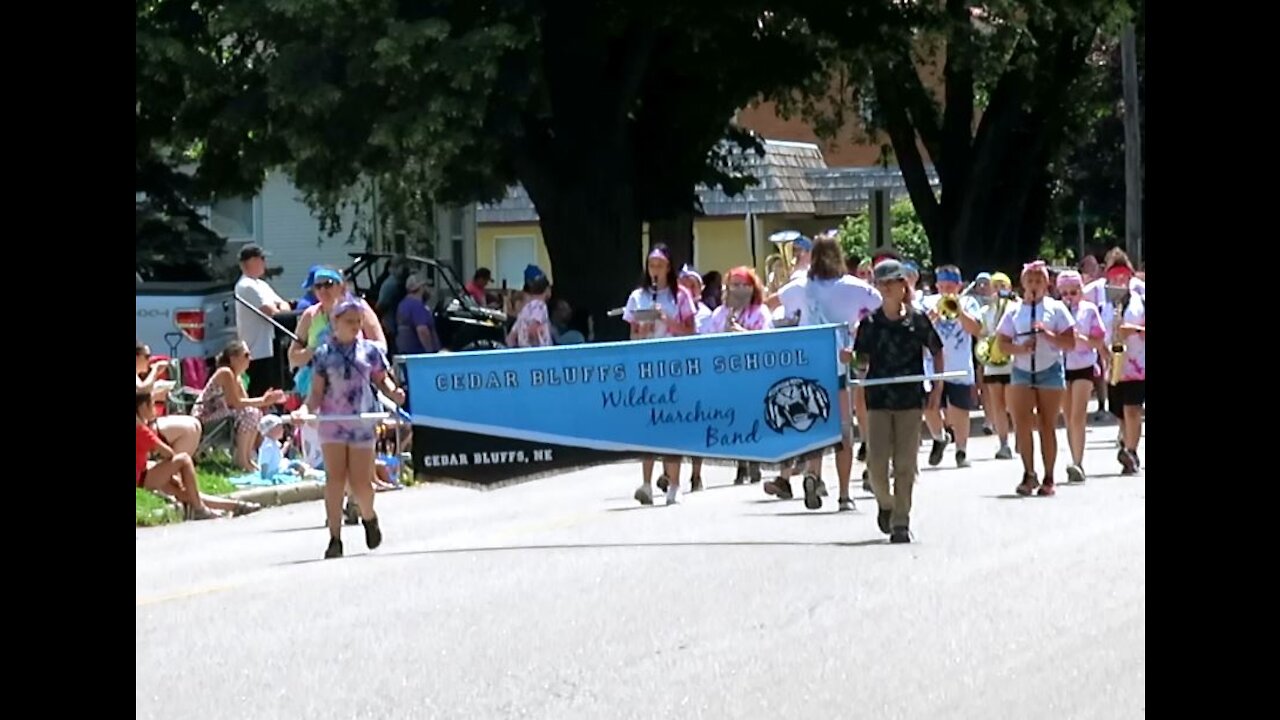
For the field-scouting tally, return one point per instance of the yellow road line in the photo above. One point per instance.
(180, 595)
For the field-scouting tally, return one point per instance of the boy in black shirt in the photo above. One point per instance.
(891, 342)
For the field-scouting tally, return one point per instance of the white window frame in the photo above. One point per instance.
(206, 215)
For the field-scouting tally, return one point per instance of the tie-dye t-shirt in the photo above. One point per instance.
(679, 306)
(348, 372)
(1135, 347)
(1089, 324)
(754, 317)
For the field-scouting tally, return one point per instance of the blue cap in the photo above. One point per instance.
(910, 268)
(803, 243)
(532, 272)
(311, 277)
(321, 272)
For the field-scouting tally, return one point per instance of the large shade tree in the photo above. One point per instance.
(608, 113)
(987, 92)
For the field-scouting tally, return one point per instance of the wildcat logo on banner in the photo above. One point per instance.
(764, 396)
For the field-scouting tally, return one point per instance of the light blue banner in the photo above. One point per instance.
(764, 396)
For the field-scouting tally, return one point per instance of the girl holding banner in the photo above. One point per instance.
(659, 308)
(827, 295)
(691, 281)
(743, 311)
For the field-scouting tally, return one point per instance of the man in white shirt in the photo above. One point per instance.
(956, 332)
(265, 372)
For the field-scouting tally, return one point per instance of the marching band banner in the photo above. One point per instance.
(489, 416)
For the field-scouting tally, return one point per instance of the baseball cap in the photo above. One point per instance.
(803, 243)
(532, 272)
(414, 282)
(269, 423)
(889, 269)
(311, 277)
(324, 273)
(251, 251)
(982, 276)
(909, 268)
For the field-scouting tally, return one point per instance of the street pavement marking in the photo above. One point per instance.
(180, 595)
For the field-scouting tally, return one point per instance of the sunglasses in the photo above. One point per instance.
(1071, 292)
(325, 284)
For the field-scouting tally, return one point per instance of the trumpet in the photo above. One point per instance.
(1119, 304)
(949, 307)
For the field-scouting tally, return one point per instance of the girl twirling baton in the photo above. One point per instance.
(1036, 334)
(342, 370)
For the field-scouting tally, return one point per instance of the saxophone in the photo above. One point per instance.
(1116, 371)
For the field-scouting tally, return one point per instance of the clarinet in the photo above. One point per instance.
(1034, 339)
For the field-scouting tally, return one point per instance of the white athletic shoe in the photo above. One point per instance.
(673, 495)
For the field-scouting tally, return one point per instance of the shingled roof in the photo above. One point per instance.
(793, 180)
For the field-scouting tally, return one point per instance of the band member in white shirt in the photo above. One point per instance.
(1082, 366)
(1036, 334)
(955, 318)
(828, 296)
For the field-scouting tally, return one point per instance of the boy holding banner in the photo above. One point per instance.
(891, 343)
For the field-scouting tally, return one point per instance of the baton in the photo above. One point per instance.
(953, 375)
(268, 318)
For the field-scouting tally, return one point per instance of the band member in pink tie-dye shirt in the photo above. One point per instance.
(1126, 398)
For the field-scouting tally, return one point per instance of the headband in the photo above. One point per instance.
(346, 305)
(1036, 267)
(687, 271)
(659, 253)
(1069, 277)
(949, 275)
(744, 273)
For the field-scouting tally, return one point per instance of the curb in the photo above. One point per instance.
(305, 491)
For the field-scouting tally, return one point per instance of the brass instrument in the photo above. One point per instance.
(988, 349)
(949, 307)
(779, 265)
(1119, 299)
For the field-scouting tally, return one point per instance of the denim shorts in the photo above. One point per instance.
(1053, 377)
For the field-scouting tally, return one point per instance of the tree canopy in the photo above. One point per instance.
(986, 92)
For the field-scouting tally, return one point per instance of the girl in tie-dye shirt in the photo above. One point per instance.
(346, 369)
(743, 310)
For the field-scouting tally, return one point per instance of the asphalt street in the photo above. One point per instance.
(562, 598)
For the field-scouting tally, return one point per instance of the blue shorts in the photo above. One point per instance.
(1053, 377)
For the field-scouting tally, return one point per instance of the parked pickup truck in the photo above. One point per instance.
(185, 319)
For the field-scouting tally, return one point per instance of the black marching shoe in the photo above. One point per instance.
(882, 519)
(334, 550)
(900, 535)
(372, 533)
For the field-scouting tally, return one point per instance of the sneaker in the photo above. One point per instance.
(663, 483)
(753, 473)
(900, 535)
(988, 430)
(644, 494)
(1028, 485)
(673, 495)
(882, 519)
(812, 500)
(822, 488)
(862, 452)
(846, 505)
(334, 550)
(695, 483)
(1047, 489)
(372, 533)
(1129, 461)
(1004, 453)
(951, 434)
(741, 476)
(351, 514)
(962, 459)
(1075, 474)
(935, 455)
(866, 480)
(779, 488)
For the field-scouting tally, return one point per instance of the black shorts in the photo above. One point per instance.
(1080, 374)
(1128, 393)
(265, 374)
(957, 396)
(1001, 379)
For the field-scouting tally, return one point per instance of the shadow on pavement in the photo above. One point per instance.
(598, 546)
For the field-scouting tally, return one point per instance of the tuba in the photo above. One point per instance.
(779, 265)
(1119, 299)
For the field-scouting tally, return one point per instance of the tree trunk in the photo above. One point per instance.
(593, 237)
(677, 233)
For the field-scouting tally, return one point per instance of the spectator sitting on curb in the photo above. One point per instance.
(175, 473)
(181, 431)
